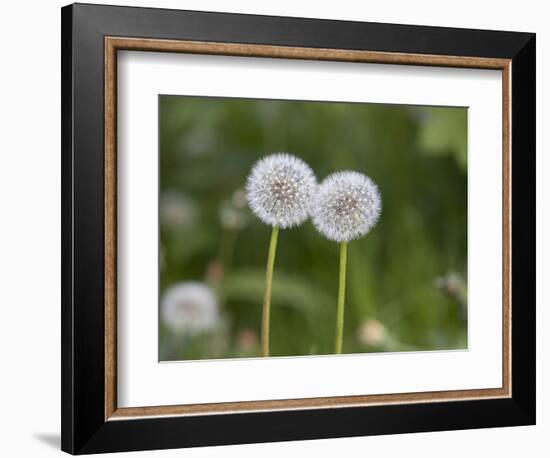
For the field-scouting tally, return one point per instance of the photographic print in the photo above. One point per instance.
(299, 228)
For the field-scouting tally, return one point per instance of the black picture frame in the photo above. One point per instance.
(84, 428)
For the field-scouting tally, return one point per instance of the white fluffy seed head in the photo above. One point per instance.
(280, 190)
(347, 206)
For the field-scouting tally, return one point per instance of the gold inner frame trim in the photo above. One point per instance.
(114, 44)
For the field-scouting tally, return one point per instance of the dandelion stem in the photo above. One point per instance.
(267, 293)
(341, 298)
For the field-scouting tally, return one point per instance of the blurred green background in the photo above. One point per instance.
(406, 288)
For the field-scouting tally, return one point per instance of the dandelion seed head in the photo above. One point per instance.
(347, 206)
(280, 190)
(189, 308)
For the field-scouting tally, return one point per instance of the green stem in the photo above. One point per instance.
(267, 293)
(341, 298)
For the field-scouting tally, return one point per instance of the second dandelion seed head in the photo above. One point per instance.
(347, 206)
(280, 190)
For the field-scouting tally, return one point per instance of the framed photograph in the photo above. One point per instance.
(281, 228)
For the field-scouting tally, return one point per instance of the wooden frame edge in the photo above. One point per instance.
(110, 234)
(507, 228)
(111, 46)
(291, 52)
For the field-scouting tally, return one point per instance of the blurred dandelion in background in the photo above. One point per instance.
(372, 332)
(454, 285)
(178, 211)
(189, 308)
(233, 212)
(238, 199)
